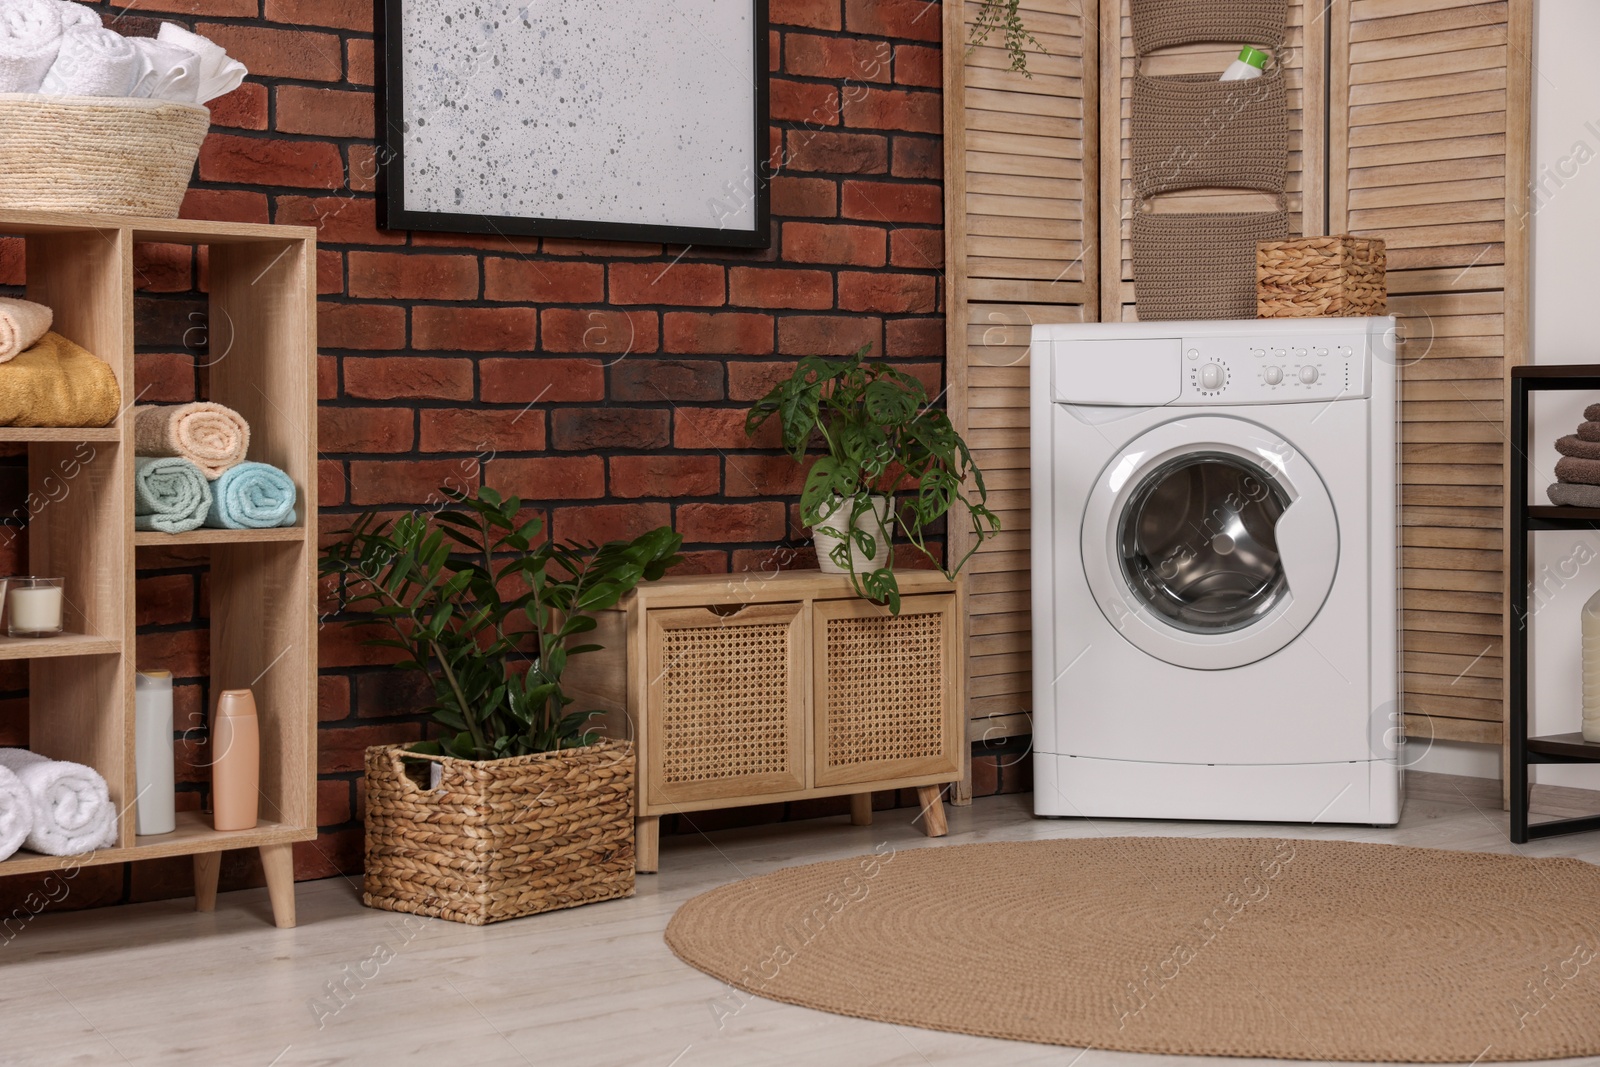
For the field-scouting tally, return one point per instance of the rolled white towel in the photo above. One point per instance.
(166, 72)
(76, 15)
(93, 62)
(219, 73)
(30, 38)
(72, 810)
(16, 813)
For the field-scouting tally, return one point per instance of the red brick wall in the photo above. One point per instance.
(605, 383)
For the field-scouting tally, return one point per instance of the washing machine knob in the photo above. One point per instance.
(1212, 376)
(1308, 375)
(1273, 375)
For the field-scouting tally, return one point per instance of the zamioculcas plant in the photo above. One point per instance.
(488, 616)
(881, 437)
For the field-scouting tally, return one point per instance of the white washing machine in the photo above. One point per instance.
(1215, 570)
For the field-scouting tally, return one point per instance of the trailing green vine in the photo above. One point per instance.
(1004, 16)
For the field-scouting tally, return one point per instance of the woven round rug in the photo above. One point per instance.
(1325, 950)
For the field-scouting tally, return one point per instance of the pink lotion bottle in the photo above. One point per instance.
(235, 761)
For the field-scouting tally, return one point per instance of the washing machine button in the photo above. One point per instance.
(1212, 376)
(1308, 375)
(1273, 375)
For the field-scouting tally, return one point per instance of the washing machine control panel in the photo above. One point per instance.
(1250, 370)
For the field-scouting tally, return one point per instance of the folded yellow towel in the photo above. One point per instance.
(22, 323)
(212, 437)
(56, 383)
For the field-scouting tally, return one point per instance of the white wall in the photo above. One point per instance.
(1566, 329)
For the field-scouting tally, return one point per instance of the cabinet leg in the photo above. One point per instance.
(647, 844)
(207, 869)
(861, 809)
(932, 800)
(278, 861)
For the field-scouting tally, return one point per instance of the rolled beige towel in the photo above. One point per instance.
(1581, 471)
(22, 323)
(210, 436)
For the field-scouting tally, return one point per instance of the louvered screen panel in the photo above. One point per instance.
(1017, 163)
(1304, 78)
(1429, 136)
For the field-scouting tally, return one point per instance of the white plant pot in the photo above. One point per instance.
(878, 523)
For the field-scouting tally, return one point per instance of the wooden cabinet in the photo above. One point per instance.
(262, 284)
(752, 689)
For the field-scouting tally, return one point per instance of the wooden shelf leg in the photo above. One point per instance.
(647, 844)
(861, 809)
(207, 869)
(932, 800)
(278, 861)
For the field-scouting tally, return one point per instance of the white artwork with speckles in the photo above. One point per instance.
(613, 111)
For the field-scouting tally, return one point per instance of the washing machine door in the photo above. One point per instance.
(1210, 542)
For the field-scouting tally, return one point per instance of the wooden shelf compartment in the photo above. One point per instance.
(261, 282)
(61, 645)
(1566, 746)
(30, 434)
(207, 536)
(194, 835)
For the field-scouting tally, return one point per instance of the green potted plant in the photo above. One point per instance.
(881, 437)
(1005, 17)
(527, 809)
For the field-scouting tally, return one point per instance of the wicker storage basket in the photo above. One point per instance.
(500, 839)
(1168, 23)
(1199, 266)
(1313, 277)
(81, 154)
(1190, 131)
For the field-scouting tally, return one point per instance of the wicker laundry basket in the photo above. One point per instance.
(1314, 277)
(500, 839)
(97, 155)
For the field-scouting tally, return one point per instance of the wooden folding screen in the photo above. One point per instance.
(1409, 121)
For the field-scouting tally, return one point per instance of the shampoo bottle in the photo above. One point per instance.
(1250, 64)
(235, 761)
(153, 761)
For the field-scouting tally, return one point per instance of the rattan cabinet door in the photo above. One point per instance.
(886, 705)
(725, 714)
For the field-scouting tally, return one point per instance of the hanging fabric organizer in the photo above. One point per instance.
(1193, 131)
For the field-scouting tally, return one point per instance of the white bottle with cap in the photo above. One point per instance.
(155, 811)
(1252, 62)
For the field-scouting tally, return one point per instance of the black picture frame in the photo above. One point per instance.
(393, 213)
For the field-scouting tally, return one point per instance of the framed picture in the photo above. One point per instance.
(616, 119)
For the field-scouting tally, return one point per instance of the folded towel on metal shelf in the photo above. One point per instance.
(211, 436)
(1581, 471)
(1572, 445)
(22, 323)
(219, 73)
(93, 61)
(30, 40)
(1588, 431)
(16, 813)
(1592, 413)
(1571, 495)
(166, 72)
(170, 494)
(252, 496)
(72, 811)
(57, 383)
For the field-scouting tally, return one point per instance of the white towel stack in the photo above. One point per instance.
(73, 813)
(16, 813)
(60, 48)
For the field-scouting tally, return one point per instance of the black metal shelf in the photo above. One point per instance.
(1528, 519)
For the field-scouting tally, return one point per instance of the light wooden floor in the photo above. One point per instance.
(160, 984)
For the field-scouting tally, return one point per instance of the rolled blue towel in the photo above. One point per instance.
(170, 494)
(252, 496)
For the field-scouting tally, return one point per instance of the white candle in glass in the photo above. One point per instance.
(34, 606)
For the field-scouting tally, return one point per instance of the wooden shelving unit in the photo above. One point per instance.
(262, 282)
(1527, 519)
